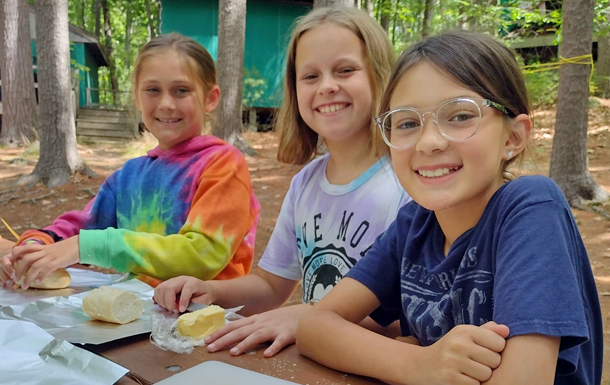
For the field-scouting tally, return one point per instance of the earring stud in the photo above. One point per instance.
(509, 154)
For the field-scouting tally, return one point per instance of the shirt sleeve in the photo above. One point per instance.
(379, 271)
(222, 214)
(538, 284)
(281, 254)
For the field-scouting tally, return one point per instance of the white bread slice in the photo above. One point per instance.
(112, 305)
(201, 323)
(59, 279)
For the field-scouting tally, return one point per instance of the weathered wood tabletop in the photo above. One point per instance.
(148, 364)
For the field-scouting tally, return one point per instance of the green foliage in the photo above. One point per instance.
(542, 87)
(503, 18)
(81, 13)
(509, 20)
(601, 23)
(600, 84)
(254, 87)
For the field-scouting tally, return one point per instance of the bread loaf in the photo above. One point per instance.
(59, 279)
(112, 305)
(201, 323)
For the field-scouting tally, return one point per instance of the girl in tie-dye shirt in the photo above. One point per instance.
(185, 208)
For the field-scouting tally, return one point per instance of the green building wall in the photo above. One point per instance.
(88, 78)
(268, 27)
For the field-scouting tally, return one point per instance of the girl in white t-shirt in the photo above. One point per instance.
(337, 64)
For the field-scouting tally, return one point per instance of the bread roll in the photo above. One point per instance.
(59, 279)
(201, 323)
(112, 305)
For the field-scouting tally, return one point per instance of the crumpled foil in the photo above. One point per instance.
(63, 317)
(30, 356)
(165, 335)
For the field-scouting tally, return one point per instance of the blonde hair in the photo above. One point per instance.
(194, 57)
(298, 142)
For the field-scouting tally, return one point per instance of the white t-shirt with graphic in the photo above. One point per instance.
(324, 229)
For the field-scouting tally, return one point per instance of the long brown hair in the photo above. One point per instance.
(298, 142)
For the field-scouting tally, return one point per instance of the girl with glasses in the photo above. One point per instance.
(488, 272)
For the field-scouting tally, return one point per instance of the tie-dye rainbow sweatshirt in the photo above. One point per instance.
(189, 210)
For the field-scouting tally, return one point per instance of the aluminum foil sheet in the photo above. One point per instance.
(30, 356)
(63, 318)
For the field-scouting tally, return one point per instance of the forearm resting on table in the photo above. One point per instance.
(258, 292)
(391, 331)
(348, 347)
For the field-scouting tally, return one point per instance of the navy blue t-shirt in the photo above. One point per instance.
(523, 265)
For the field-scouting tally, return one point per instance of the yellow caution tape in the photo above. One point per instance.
(584, 59)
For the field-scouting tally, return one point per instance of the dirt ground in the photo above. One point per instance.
(37, 207)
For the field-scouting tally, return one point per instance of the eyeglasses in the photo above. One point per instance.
(456, 119)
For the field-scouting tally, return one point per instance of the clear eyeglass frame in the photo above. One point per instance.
(385, 131)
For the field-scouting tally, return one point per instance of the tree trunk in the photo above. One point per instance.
(18, 95)
(128, 30)
(394, 18)
(151, 20)
(97, 11)
(383, 11)
(81, 14)
(230, 64)
(603, 62)
(472, 20)
(569, 159)
(109, 48)
(330, 3)
(428, 16)
(59, 156)
(369, 7)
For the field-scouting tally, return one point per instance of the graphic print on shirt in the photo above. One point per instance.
(436, 302)
(326, 258)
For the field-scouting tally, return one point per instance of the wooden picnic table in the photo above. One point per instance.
(149, 364)
(126, 381)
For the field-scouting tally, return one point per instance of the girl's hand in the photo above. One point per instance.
(35, 262)
(466, 355)
(278, 325)
(5, 246)
(188, 289)
(6, 267)
(7, 272)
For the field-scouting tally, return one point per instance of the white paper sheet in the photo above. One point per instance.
(30, 356)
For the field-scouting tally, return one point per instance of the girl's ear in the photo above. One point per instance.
(212, 99)
(521, 129)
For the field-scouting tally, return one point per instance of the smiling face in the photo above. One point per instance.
(172, 103)
(333, 86)
(440, 174)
